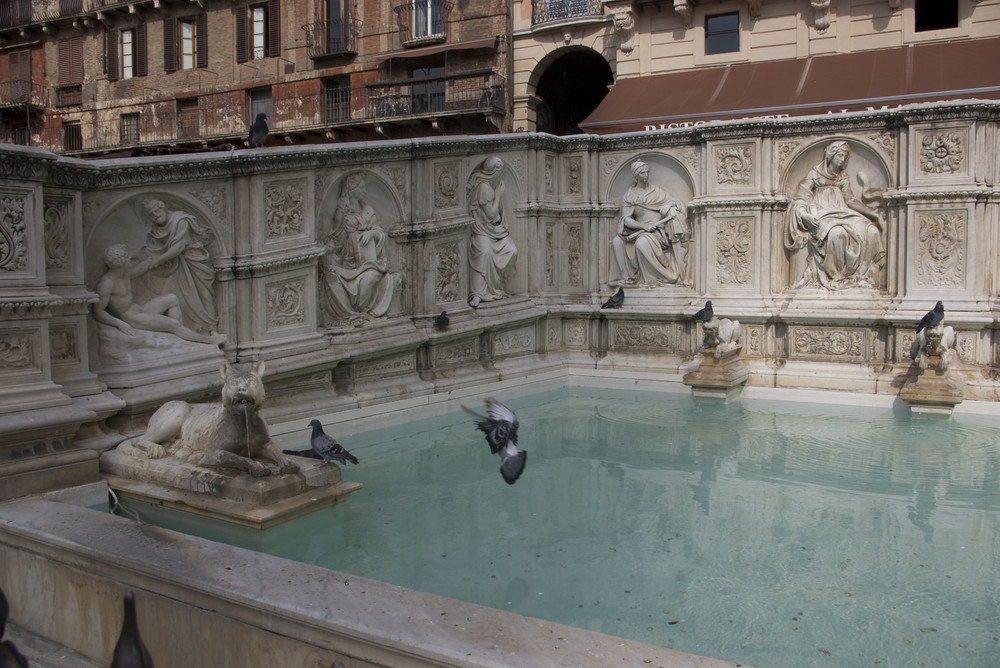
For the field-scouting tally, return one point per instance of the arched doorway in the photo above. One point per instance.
(569, 89)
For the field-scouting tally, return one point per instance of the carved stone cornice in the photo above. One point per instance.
(942, 195)
(28, 306)
(263, 265)
(756, 203)
(27, 164)
(428, 228)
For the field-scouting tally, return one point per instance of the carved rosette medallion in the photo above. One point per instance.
(827, 343)
(642, 336)
(57, 235)
(941, 248)
(447, 262)
(734, 165)
(283, 209)
(286, 303)
(17, 351)
(13, 235)
(575, 255)
(734, 250)
(575, 333)
(446, 186)
(942, 153)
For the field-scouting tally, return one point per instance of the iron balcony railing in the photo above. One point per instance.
(337, 105)
(560, 10)
(332, 38)
(16, 13)
(422, 21)
(21, 92)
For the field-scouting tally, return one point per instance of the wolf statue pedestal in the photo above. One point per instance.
(218, 460)
(939, 391)
(722, 373)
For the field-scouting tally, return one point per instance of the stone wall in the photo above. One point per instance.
(828, 297)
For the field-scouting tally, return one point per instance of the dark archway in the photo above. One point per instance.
(569, 89)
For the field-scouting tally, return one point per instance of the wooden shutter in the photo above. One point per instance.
(273, 28)
(169, 44)
(71, 61)
(201, 40)
(111, 53)
(242, 45)
(139, 50)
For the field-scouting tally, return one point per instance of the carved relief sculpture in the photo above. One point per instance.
(834, 239)
(492, 253)
(821, 14)
(13, 237)
(176, 260)
(624, 23)
(650, 249)
(355, 271)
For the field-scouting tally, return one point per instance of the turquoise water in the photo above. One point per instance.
(779, 535)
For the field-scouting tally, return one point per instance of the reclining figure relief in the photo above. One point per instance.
(229, 435)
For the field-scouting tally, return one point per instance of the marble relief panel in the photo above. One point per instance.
(19, 350)
(734, 166)
(61, 239)
(516, 341)
(732, 243)
(830, 343)
(627, 335)
(448, 263)
(16, 259)
(64, 344)
(285, 210)
(939, 254)
(940, 153)
(446, 186)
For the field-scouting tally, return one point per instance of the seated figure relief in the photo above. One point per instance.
(651, 247)
(835, 240)
(357, 282)
(492, 253)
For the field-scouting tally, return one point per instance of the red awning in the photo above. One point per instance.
(486, 43)
(815, 85)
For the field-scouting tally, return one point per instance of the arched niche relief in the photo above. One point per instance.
(652, 190)
(834, 235)
(361, 273)
(512, 215)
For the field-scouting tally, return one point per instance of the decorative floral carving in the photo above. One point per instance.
(446, 180)
(785, 150)
(285, 304)
(283, 205)
(942, 153)
(466, 350)
(754, 341)
(885, 141)
(514, 341)
(941, 248)
(643, 335)
(820, 342)
(690, 157)
(733, 243)
(734, 164)
(13, 244)
(62, 344)
(446, 285)
(214, 199)
(548, 173)
(57, 235)
(550, 255)
(576, 333)
(609, 163)
(16, 351)
(383, 367)
(397, 175)
(575, 255)
(573, 174)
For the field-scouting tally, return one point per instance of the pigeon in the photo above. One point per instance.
(441, 322)
(327, 448)
(10, 657)
(130, 652)
(932, 318)
(705, 314)
(500, 426)
(616, 300)
(258, 131)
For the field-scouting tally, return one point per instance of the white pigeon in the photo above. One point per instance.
(500, 426)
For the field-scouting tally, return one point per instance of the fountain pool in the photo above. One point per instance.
(773, 534)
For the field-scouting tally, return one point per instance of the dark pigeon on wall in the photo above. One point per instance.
(327, 448)
(130, 651)
(616, 300)
(258, 131)
(932, 318)
(705, 314)
(442, 321)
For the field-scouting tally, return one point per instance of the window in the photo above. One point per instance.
(258, 32)
(337, 22)
(259, 101)
(337, 99)
(128, 126)
(185, 43)
(72, 136)
(722, 33)
(427, 18)
(187, 119)
(125, 56)
(70, 90)
(428, 92)
(935, 15)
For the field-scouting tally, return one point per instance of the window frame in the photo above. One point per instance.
(911, 35)
(257, 34)
(126, 53)
(720, 36)
(430, 8)
(702, 12)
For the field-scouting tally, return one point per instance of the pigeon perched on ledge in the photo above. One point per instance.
(705, 314)
(327, 448)
(442, 321)
(932, 318)
(500, 426)
(616, 300)
(130, 652)
(258, 131)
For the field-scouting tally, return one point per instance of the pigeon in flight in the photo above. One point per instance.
(616, 300)
(932, 318)
(500, 426)
(130, 652)
(327, 448)
(705, 314)
(442, 321)
(258, 131)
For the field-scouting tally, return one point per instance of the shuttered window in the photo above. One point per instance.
(258, 31)
(185, 43)
(71, 61)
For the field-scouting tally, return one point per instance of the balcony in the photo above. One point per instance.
(543, 11)
(422, 21)
(358, 111)
(328, 39)
(23, 13)
(23, 93)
